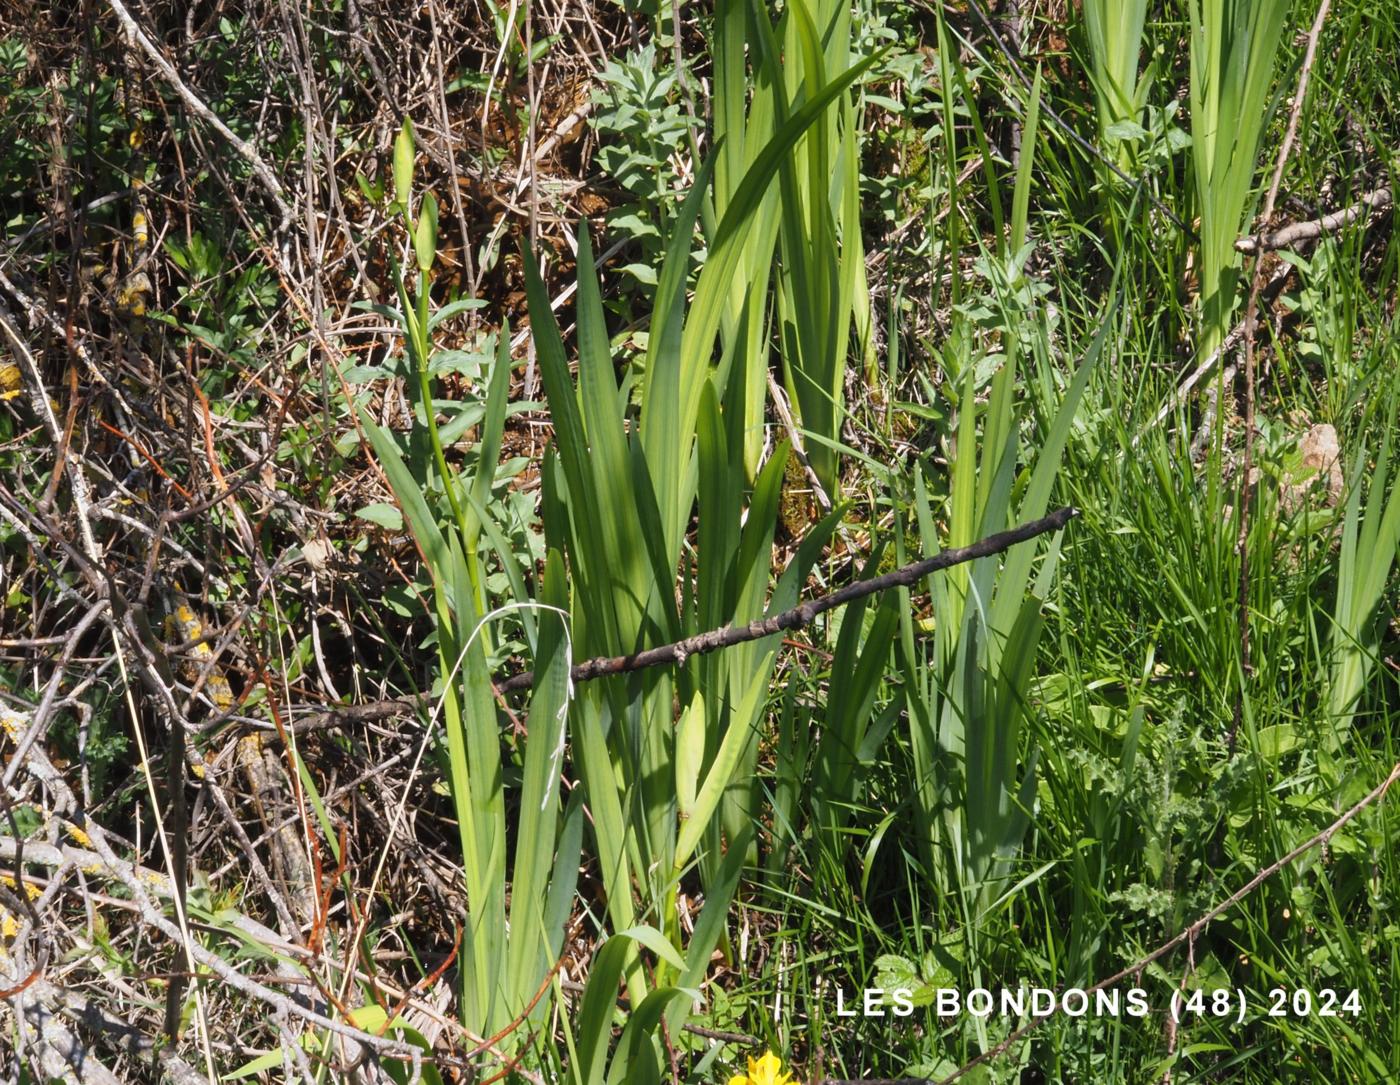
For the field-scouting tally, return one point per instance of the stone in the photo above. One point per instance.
(1317, 468)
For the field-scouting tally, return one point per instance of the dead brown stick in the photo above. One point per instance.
(804, 613)
(1297, 232)
(729, 635)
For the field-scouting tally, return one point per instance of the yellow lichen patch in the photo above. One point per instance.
(140, 230)
(12, 722)
(32, 891)
(130, 298)
(9, 925)
(79, 836)
(9, 380)
(183, 625)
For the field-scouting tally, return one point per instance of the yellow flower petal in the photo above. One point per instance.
(767, 1070)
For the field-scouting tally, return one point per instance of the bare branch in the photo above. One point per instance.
(804, 613)
(1295, 233)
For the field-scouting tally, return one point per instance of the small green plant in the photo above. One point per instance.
(641, 126)
(1369, 545)
(823, 299)
(969, 687)
(222, 307)
(672, 796)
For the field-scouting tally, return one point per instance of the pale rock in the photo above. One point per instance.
(1319, 467)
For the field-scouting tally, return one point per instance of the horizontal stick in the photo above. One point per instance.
(804, 613)
(1297, 232)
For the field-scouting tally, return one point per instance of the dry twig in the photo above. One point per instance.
(804, 613)
(1296, 233)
